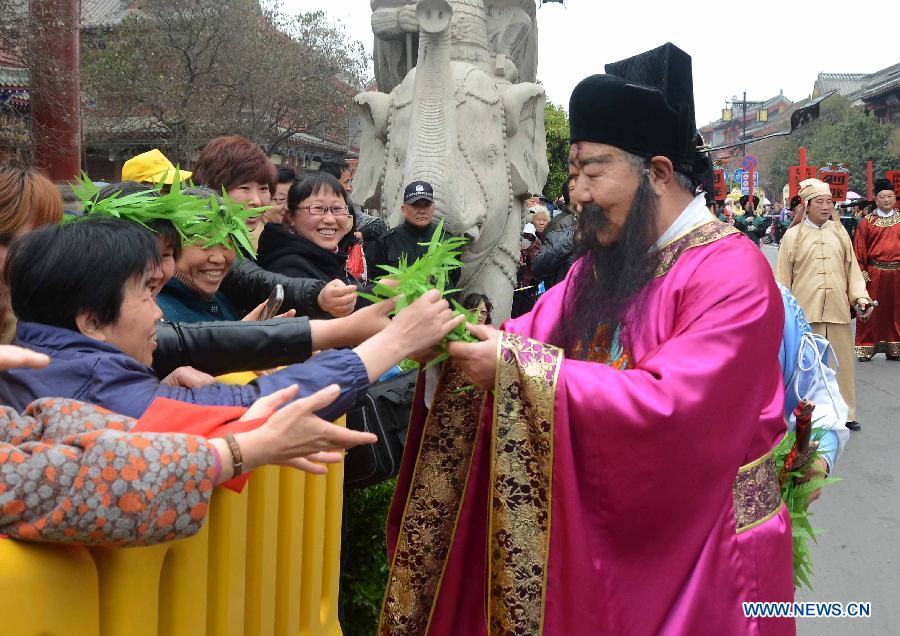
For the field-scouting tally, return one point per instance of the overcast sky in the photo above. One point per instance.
(789, 42)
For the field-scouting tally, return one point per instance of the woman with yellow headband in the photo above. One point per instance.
(816, 262)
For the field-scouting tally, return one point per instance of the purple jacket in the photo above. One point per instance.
(85, 369)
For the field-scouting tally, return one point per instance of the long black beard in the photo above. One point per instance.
(608, 285)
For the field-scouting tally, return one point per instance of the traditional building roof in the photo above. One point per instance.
(887, 79)
(844, 83)
(103, 13)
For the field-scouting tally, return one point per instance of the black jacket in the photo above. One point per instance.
(393, 244)
(226, 347)
(371, 227)
(556, 256)
(291, 255)
(247, 285)
(560, 222)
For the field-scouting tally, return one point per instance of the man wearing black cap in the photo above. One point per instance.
(751, 224)
(792, 209)
(877, 247)
(621, 480)
(417, 227)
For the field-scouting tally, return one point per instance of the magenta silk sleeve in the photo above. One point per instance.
(645, 459)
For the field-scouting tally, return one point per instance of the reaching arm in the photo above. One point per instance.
(247, 285)
(68, 468)
(229, 346)
(856, 284)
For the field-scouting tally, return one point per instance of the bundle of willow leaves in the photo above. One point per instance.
(430, 271)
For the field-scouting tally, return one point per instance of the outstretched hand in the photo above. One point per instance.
(478, 360)
(188, 378)
(12, 357)
(295, 436)
(337, 298)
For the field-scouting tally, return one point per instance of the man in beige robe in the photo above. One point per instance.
(817, 263)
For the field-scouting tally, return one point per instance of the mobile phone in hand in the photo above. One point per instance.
(273, 304)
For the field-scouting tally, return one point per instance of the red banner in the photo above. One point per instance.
(719, 190)
(838, 181)
(894, 177)
(794, 177)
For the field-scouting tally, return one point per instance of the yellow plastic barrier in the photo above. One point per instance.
(267, 562)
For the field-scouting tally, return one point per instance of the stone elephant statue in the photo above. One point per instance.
(464, 128)
(511, 29)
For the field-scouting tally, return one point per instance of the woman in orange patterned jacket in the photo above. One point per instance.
(71, 472)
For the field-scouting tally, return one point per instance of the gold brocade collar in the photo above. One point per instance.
(880, 221)
(702, 235)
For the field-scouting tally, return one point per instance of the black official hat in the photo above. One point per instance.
(418, 190)
(643, 105)
(746, 198)
(881, 184)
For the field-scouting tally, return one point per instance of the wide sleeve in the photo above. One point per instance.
(71, 473)
(861, 247)
(644, 441)
(784, 273)
(856, 284)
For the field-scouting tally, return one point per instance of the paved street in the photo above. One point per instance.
(857, 558)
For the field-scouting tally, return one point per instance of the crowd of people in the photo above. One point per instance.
(628, 329)
(151, 291)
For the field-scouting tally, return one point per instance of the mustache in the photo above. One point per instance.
(608, 286)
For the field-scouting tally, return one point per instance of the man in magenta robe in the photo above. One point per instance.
(602, 465)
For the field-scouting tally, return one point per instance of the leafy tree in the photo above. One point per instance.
(364, 567)
(842, 134)
(189, 71)
(556, 121)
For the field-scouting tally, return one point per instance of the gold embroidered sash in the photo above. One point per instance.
(521, 478)
(433, 506)
(520, 497)
(756, 492)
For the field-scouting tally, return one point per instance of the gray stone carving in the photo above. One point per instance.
(511, 32)
(457, 121)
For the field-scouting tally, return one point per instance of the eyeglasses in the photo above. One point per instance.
(322, 210)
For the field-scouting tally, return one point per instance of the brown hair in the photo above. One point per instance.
(26, 196)
(229, 161)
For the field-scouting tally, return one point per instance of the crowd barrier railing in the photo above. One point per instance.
(267, 562)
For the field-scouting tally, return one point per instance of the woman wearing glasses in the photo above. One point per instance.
(306, 243)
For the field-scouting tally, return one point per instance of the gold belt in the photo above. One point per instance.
(885, 264)
(757, 494)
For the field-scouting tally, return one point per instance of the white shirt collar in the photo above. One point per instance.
(806, 221)
(694, 215)
(883, 214)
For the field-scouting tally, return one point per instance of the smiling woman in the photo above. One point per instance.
(112, 305)
(192, 295)
(306, 244)
(239, 167)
